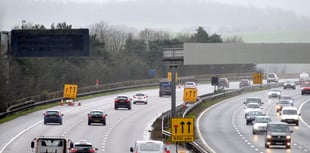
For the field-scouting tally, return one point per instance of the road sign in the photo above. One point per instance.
(257, 78)
(70, 90)
(169, 78)
(182, 129)
(190, 95)
(50, 42)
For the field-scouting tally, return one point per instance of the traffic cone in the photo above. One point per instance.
(167, 147)
(61, 102)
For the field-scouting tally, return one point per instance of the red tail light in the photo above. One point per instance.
(92, 150)
(134, 96)
(73, 150)
(127, 101)
(116, 100)
(103, 116)
(89, 116)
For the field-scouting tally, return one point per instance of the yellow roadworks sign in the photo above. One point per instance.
(182, 129)
(70, 90)
(190, 95)
(257, 78)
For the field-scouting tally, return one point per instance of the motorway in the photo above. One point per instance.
(123, 126)
(223, 127)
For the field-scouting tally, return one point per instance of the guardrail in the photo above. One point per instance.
(91, 90)
(196, 145)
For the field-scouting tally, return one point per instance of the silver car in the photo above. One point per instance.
(260, 124)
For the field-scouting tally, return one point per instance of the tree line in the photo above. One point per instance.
(115, 56)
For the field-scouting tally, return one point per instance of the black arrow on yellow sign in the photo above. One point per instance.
(182, 129)
(189, 125)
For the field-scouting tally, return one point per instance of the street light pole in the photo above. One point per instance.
(173, 93)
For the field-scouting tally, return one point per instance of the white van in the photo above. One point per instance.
(272, 77)
(148, 146)
(303, 77)
(290, 115)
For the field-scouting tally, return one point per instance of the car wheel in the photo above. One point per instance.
(288, 146)
(60, 123)
(129, 108)
(266, 145)
(253, 132)
(297, 123)
(115, 107)
(89, 123)
(103, 123)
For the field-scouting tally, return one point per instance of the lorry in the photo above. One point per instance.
(51, 144)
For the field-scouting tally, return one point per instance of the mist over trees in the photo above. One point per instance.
(115, 56)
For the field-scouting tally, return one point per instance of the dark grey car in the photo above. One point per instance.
(278, 133)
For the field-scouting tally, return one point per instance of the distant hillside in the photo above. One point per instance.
(273, 37)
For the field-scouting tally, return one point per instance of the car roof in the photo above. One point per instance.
(96, 111)
(253, 98)
(53, 110)
(148, 141)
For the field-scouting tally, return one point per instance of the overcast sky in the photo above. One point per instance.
(174, 15)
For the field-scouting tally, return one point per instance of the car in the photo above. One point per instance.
(304, 77)
(97, 116)
(148, 146)
(165, 88)
(289, 84)
(122, 101)
(223, 83)
(260, 124)
(272, 77)
(251, 116)
(282, 103)
(140, 98)
(274, 93)
(83, 147)
(257, 100)
(291, 99)
(190, 84)
(53, 116)
(244, 83)
(305, 88)
(278, 133)
(290, 115)
(251, 107)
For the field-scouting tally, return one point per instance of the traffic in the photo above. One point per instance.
(275, 122)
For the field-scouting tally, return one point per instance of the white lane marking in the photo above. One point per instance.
(19, 134)
(300, 116)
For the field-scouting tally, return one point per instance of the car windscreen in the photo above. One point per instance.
(139, 94)
(252, 106)
(96, 113)
(262, 120)
(271, 75)
(289, 112)
(306, 85)
(81, 147)
(52, 113)
(165, 84)
(284, 102)
(255, 100)
(278, 128)
(255, 113)
(150, 147)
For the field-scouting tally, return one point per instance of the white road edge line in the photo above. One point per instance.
(198, 130)
(299, 112)
(19, 134)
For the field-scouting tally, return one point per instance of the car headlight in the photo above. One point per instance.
(278, 106)
(285, 84)
(268, 136)
(288, 137)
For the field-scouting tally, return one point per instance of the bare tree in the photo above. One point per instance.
(234, 39)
